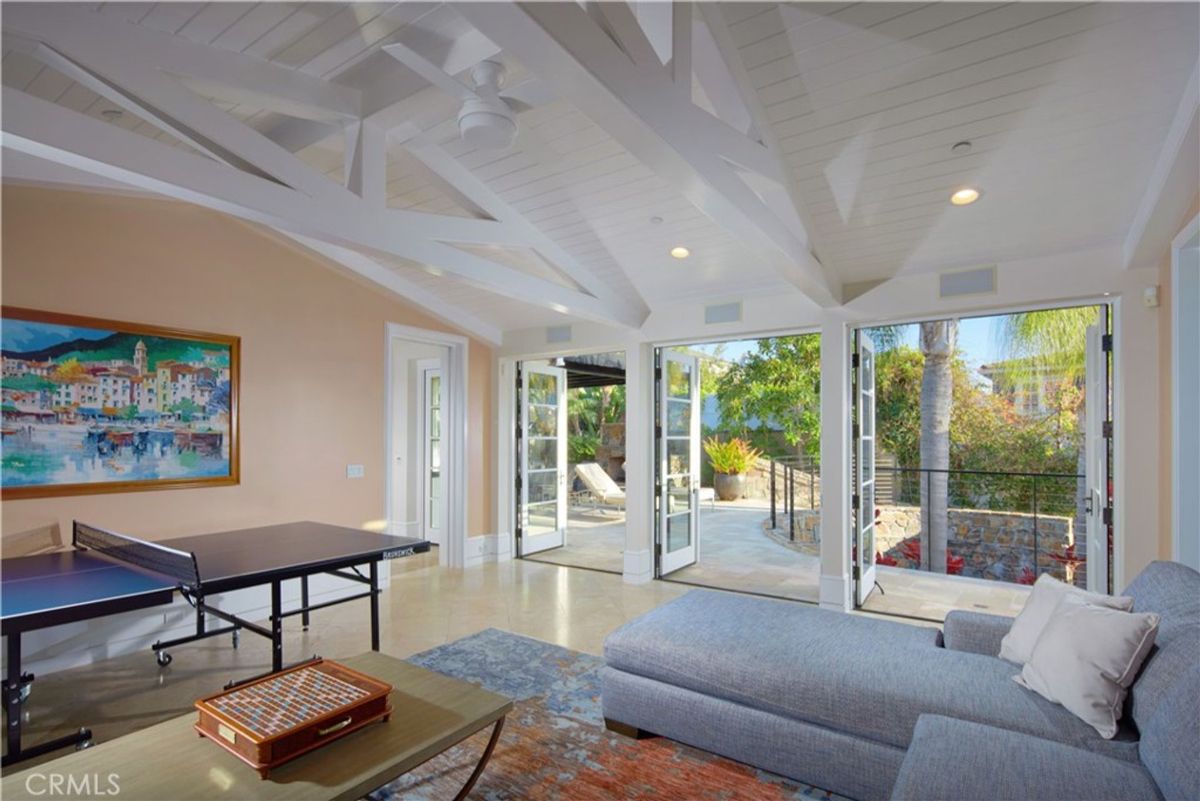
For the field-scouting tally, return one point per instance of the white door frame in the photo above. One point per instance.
(454, 433)
(1185, 397)
(864, 515)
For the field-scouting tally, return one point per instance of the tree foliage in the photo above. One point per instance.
(776, 387)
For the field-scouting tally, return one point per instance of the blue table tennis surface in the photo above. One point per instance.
(61, 580)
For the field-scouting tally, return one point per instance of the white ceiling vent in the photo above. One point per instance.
(976, 281)
(723, 313)
(557, 334)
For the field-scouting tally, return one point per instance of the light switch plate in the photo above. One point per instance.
(354, 471)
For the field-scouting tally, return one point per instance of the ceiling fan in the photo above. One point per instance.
(487, 119)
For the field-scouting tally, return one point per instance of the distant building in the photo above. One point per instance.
(1029, 387)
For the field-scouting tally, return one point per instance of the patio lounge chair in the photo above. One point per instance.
(600, 485)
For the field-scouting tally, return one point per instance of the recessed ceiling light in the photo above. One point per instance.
(965, 196)
(680, 252)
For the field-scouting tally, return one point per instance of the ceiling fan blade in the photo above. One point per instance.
(528, 94)
(429, 71)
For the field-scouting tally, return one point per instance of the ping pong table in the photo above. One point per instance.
(106, 573)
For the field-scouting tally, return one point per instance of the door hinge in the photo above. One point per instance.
(1107, 515)
(1106, 429)
(1106, 343)
(854, 500)
(854, 431)
(854, 360)
(857, 573)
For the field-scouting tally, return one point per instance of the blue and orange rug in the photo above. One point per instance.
(554, 745)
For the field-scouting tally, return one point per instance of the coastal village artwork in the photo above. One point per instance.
(94, 406)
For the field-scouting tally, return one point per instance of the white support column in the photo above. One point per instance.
(836, 585)
(639, 462)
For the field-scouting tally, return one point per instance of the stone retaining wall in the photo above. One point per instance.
(993, 545)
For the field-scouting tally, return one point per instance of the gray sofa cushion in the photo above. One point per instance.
(975, 632)
(1173, 591)
(1169, 738)
(953, 760)
(862, 676)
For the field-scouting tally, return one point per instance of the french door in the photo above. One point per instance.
(864, 498)
(678, 460)
(543, 455)
(433, 401)
(1097, 437)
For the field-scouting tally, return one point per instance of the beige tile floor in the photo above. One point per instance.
(922, 595)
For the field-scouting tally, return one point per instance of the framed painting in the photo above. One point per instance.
(92, 406)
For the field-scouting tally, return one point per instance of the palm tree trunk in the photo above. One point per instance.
(938, 343)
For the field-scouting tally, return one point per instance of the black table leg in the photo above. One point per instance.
(304, 601)
(12, 711)
(276, 627)
(12, 694)
(374, 606)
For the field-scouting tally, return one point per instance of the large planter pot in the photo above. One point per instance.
(729, 487)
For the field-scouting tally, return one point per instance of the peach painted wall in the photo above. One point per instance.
(312, 372)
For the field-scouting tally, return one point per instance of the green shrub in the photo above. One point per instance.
(732, 457)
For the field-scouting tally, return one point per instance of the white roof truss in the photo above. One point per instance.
(257, 178)
(601, 58)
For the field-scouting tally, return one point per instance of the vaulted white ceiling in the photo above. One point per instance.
(793, 148)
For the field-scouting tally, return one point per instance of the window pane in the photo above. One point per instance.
(679, 532)
(679, 379)
(543, 454)
(679, 418)
(543, 388)
(543, 421)
(679, 456)
(543, 486)
(542, 518)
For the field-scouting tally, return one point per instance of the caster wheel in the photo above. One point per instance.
(163, 658)
(82, 744)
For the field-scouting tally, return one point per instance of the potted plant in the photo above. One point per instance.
(731, 460)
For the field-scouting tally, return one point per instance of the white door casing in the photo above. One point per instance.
(679, 461)
(543, 456)
(1185, 391)
(865, 512)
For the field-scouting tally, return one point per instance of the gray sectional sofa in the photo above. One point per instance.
(873, 709)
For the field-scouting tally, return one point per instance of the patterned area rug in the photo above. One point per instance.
(555, 746)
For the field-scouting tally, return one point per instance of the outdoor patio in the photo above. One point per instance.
(736, 554)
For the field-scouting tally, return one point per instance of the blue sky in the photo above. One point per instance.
(24, 335)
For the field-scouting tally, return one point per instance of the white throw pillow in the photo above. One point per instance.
(1047, 591)
(1086, 658)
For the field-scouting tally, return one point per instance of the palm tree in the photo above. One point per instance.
(939, 341)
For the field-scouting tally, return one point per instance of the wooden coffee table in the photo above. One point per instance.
(430, 713)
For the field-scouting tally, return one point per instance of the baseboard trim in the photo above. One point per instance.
(836, 593)
(488, 548)
(639, 567)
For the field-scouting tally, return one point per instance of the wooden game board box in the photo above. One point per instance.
(277, 718)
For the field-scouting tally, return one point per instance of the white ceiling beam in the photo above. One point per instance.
(471, 191)
(71, 29)
(386, 277)
(48, 131)
(1172, 185)
(637, 103)
(681, 47)
(366, 162)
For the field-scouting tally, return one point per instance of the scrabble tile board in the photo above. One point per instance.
(279, 717)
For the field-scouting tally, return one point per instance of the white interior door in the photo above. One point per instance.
(543, 458)
(865, 512)
(679, 461)
(433, 493)
(1096, 462)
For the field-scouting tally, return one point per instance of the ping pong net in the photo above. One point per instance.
(179, 565)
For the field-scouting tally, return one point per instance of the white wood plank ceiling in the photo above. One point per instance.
(839, 116)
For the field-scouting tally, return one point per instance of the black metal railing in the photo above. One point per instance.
(793, 479)
(994, 524)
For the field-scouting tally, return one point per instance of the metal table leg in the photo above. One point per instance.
(483, 760)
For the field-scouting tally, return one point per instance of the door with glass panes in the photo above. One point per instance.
(679, 460)
(543, 457)
(433, 401)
